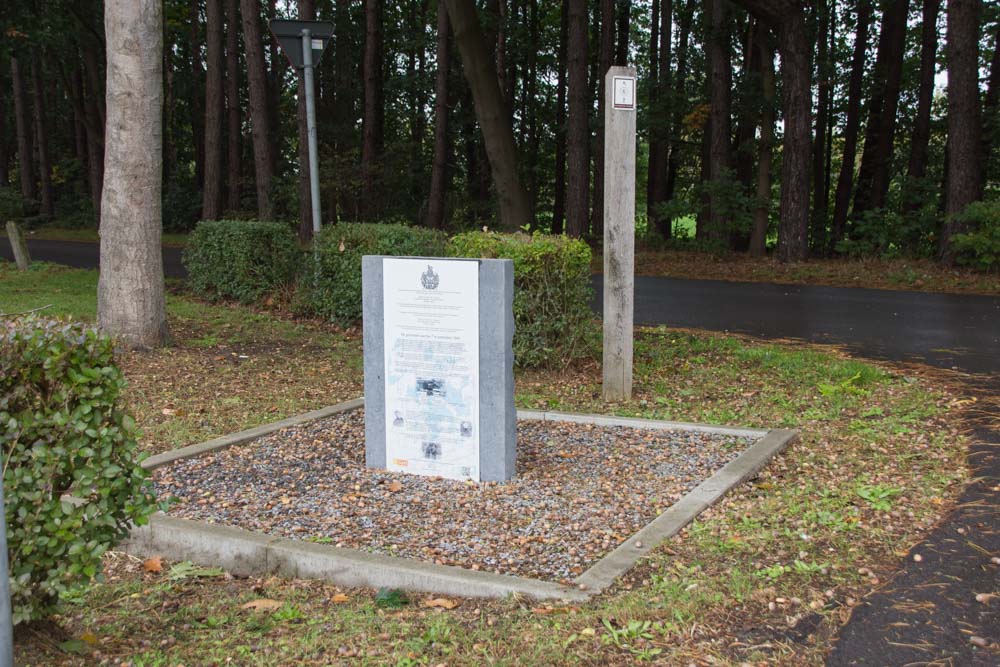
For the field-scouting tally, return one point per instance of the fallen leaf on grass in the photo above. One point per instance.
(442, 603)
(339, 598)
(395, 486)
(154, 564)
(263, 604)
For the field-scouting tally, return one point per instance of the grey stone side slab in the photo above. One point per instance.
(638, 422)
(373, 337)
(603, 573)
(250, 434)
(497, 414)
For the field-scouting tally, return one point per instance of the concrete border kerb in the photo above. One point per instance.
(250, 553)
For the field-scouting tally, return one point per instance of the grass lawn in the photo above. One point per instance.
(767, 575)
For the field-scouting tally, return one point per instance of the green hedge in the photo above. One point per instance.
(551, 292)
(64, 433)
(980, 246)
(240, 259)
(330, 285)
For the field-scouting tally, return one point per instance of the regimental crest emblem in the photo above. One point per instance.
(429, 279)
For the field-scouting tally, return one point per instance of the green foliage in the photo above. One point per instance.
(979, 247)
(551, 292)
(331, 285)
(12, 205)
(879, 496)
(72, 479)
(391, 598)
(240, 259)
(889, 233)
(181, 204)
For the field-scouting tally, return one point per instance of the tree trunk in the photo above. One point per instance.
(964, 176)
(197, 89)
(559, 194)
(439, 169)
(824, 73)
(991, 112)
(720, 142)
(679, 100)
(749, 108)
(873, 177)
(371, 143)
(234, 115)
(530, 106)
(211, 207)
(916, 166)
(48, 209)
(793, 224)
(307, 12)
(130, 294)
(490, 111)
(623, 13)
(762, 212)
(263, 156)
(25, 149)
(845, 182)
(577, 131)
(4, 149)
(656, 146)
(605, 60)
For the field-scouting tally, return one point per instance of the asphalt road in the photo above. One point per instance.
(944, 330)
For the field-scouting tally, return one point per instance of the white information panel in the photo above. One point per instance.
(431, 325)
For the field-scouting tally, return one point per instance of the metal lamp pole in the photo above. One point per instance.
(307, 66)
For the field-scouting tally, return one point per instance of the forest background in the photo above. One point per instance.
(824, 128)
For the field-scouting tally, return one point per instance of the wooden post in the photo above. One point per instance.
(21, 256)
(619, 231)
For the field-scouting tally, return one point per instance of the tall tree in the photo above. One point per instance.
(991, 111)
(439, 169)
(212, 197)
(197, 88)
(916, 166)
(39, 106)
(130, 295)
(371, 143)
(623, 13)
(762, 212)
(824, 74)
(656, 164)
(605, 60)
(559, 194)
(720, 113)
(963, 178)
(22, 123)
(845, 182)
(678, 100)
(234, 115)
(498, 134)
(4, 148)
(788, 19)
(263, 155)
(876, 157)
(307, 12)
(577, 130)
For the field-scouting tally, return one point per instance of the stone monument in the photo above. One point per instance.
(439, 366)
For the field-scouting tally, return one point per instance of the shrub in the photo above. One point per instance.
(551, 292)
(980, 246)
(331, 287)
(240, 259)
(64, 433)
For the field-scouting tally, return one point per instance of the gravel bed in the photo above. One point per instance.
(580, 490)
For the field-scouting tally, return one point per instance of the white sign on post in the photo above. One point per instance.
(431, 329)
(624, 92)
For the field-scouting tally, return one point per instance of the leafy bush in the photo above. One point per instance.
(551, 292)
(980, 246)
(64, 434)
(331, 285)
(12, 205)
(240, 259)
